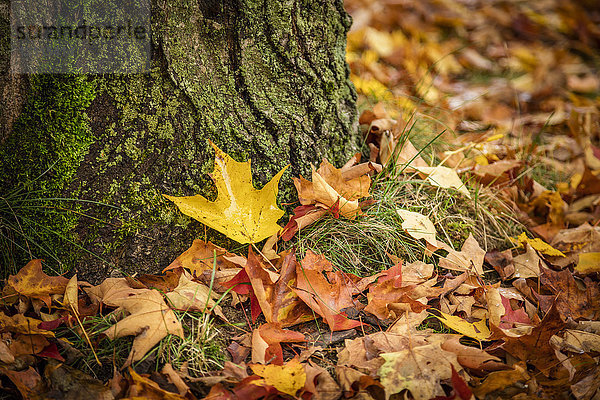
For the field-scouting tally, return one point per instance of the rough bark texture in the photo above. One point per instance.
(265, 80)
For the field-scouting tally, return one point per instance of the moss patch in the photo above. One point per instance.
(39, 159)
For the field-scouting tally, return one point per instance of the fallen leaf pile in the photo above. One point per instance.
(515, 86)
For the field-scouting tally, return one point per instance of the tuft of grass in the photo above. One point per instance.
(362, 245)
(25, 233)
(110, 352)
(201, 350)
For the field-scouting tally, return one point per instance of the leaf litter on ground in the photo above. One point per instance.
(514, 91)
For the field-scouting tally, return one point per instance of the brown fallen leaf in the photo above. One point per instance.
(175, 379)
(390, 299)
(320, 384)
(32, 282)
(329, 187)
(28, 382)
(326, 298)
(71, 297)
(583, 239)
(112, 290)
(303, 216)
(502, 261)
(193, 296)
(499, 380)
(363, 353)
(149, 319)
(200, 257)
(266, 339)
(527, 265)
(163, 283)
(28, 344)
(19, 323)
(534, 347)
(141, 387)
(470, 258)
(472, 357)
(278, 302)
(419, 369)
(74, 384)
(571, 300)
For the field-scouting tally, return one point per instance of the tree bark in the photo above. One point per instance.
(265, 80)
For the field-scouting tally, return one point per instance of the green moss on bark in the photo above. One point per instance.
(265, 82)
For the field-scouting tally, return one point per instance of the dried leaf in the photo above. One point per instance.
(149, 319)
(418, 226)
(144, 388)
(470, 258)
(326, 298)
(444, 177)
(418, 369)
(200, 257)
(588, 263)
(499, 380)
(266, 339)
(572, 301)
(32, 282)
(477, 330)
(193, 296)
(71, 297)
(240, 212)
(278, 302)
(534, 347)
(527, 265)
(19, 323)
(330, 186)
(287, 378)
(539, 245)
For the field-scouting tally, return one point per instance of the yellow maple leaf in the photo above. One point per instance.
(241, 212)
(477, 330)
(287, 378)
(539, 245)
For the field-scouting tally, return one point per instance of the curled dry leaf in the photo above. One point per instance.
(500, 380)
(331, 186)
(326, 298)
(266, 343)
(303, 216)
(472, 357)
(470, 258)
(33, 283)
(278, 302)
(240, 212)
(201, 257)
(71, 297)
(141, 387)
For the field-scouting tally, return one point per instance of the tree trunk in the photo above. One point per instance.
(265, 80)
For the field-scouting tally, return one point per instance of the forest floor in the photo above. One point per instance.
(457, 257)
